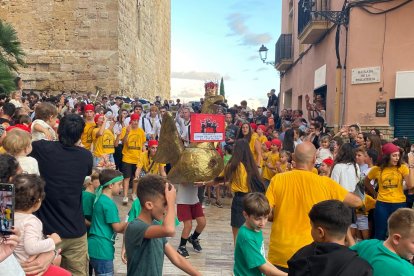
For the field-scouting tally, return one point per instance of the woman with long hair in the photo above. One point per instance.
(345, 170)
(335, 145)
(390, 174)
(374, 142)
(289, 141)
(243, 175)
(361, 140)
(245, 132)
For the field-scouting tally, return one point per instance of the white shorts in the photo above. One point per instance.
(361, 223)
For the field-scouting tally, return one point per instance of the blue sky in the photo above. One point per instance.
(211, 39)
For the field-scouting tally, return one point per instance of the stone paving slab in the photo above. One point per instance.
(216, 240)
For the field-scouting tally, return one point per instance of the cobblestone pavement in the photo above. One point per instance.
(216, 240)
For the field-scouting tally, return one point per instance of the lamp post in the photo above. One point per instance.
(263, 55)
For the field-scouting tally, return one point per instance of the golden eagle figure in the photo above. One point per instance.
(196, 163)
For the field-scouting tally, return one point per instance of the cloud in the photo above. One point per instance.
(261, 69)
(253, 57)
(255, 79)
(194, 75)
(238, 27)
(188, 94)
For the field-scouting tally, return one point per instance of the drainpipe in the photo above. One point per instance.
(338, 94)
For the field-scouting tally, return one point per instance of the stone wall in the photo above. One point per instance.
(120, 46)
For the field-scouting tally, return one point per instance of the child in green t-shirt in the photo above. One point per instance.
(105, 223)
(90, 184)
(392, 256)
(249, 254)
(145, 238)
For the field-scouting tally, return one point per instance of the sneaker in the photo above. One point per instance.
(207, 202)
(125, 200)
(183, 252)
(134, 196)
(196, 244)
(218, 204)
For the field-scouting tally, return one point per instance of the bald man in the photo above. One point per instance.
(291, 196)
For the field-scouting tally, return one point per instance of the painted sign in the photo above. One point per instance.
(366, 75)
(381, 109)
(207, 128)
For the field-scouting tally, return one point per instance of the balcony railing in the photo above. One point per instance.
(283, 52)
(311, 26)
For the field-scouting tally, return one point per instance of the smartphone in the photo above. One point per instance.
(6, 208)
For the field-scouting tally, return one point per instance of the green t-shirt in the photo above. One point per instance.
(383, 261)
(145, 256)
(88, 199)
(136, 210)
(226, 158)
(101, 235)
(249, 253)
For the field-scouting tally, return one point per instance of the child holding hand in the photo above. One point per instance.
(42, 127)
(29, 190)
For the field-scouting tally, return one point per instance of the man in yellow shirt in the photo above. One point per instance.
(292, 195)
(133, 140)
(90, 124)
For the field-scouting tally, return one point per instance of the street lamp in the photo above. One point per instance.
(263, 55)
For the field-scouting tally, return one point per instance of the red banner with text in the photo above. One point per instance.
(207, 128)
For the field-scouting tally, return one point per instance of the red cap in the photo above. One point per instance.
(19, 126)
(135, 117)
(97, 116)
(152, 143)
(262, 127)
(268, 144)
(277, 142)
(89, 107)
(389, 148)
(253, 126)
(328, 161)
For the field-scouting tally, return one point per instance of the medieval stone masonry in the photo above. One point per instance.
(120, 46)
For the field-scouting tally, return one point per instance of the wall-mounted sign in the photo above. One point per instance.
(381, 109)
(366, 75)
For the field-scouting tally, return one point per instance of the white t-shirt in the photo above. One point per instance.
(28, 164)
(37, 135)
(322, 154)
(345, 175)
(187, 194)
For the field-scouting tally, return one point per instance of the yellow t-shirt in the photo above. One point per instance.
(292, 194)
(369, 204)
(252, 143)
(103, 144)
(262, 139)
(145, 164)
(390, 183)
(132, 149)
(86, 137)
(239, 181)
(272, 158)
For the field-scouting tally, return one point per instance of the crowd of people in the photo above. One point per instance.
(69, 155)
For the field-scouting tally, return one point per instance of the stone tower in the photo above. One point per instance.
(121, 46)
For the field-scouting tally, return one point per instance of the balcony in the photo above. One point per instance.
(311, 27)
(284, 57)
